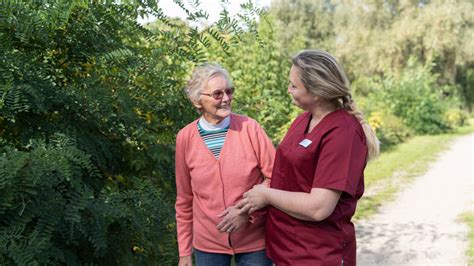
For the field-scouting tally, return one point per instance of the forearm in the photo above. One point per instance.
(314, 206)
(184, 230)
(184, 223)
(295, 204)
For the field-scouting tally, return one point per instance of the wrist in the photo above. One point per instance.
(266, 195)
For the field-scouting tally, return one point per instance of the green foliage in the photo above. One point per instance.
(414, 97)
(373, 37)
(261, 76)
(455, 117)
(90, 102)
(303, 24)
(468, 219)
(56, 209)
(389, 128)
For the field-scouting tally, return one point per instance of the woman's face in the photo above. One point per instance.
(215, 110)
(301, 96)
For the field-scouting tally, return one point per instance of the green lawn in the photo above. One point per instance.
(397, 167)
(468, 218)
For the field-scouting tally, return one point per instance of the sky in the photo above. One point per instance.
(211, 6)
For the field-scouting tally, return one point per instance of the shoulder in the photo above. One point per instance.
(188, 130)
(243, 121)
(342, 121)
(241, 118)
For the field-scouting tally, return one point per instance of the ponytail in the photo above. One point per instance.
(373, 144)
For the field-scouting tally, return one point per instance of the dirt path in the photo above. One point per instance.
(421, 226)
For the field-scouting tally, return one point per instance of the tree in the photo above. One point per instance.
(380, 36)
(303, 24)
(90, 102)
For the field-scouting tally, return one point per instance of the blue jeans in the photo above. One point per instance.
(256, 258)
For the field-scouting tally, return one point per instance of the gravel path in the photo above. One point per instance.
(421, 226)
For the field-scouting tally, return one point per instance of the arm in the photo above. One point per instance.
(184, 201)
(340, 167)
(265, 153)
(314, 206)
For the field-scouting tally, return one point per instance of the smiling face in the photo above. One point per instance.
(301, 96)
(213, 110)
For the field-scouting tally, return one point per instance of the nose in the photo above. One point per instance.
(288, 89)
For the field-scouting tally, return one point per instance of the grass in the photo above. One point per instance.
(468, 218)
(396, 168)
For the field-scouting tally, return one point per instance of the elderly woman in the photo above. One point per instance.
(219, 157)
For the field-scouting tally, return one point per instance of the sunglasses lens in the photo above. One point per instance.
(217, 94)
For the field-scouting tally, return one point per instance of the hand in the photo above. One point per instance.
(253, 199)
(233, 220)
(185, 261)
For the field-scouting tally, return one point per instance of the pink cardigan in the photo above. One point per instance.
(207, 186)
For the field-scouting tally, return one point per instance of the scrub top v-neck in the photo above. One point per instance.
(331, 156)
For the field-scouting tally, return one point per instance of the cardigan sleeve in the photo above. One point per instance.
(264, 150)
(265, 153)
(184, 199)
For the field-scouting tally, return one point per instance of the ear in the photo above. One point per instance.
(197, 104)
(317, 98)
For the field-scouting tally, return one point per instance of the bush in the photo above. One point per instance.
(455, 117)
(56, 210)
(390, 129)
(90, 102)
(416, 99)
(87, 146)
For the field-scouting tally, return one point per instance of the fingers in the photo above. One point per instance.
(244, 209)
(230, 229)
(242, 203)
(224, 213)
(224, 225)
(226, 228)
(221, 224)
(252, 210)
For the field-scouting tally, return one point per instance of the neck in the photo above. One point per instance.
(319, 111)
(212, 120)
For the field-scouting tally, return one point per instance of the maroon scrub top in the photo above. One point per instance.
(335, 159)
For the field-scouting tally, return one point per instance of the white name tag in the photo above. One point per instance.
(305, 143)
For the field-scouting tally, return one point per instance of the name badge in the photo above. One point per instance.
(305, 143)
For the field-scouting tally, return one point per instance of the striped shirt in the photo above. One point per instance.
(214, 135)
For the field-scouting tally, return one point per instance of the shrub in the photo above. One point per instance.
(455, 117)
(415, 98)
(90, 102)
(390, 129)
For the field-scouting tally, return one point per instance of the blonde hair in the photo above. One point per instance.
(322, 75)
(201, 75)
